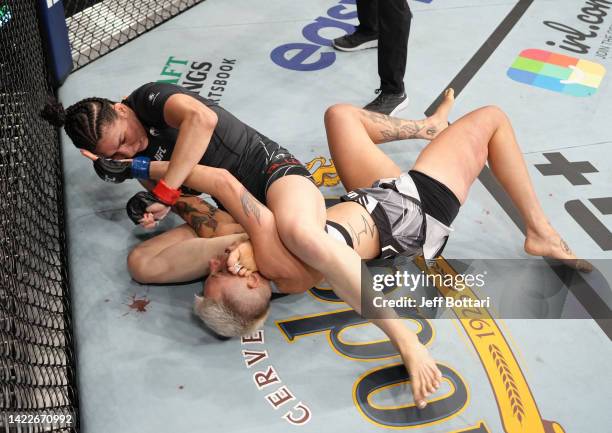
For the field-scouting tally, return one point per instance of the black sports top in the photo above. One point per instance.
(230, 141)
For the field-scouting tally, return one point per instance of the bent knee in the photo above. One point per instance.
(338, 111)
(304, 242)
(494, 113)
(139, 267)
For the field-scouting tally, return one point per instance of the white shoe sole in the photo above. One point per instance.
(400, 107)
(364, 46)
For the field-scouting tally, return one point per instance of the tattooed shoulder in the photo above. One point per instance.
(250, 205)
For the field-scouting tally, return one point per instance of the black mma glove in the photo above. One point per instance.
(137, 206)
(111, 170)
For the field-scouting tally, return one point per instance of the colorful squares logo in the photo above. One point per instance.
(557, 72)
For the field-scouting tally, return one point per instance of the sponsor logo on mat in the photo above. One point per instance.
(518, 410)
(316, 54)
(323, 171)
(207, 79)
(268, 381)
(593, 14)
(557, 72)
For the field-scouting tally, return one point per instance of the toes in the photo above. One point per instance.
(430, 381)
(425, 388)
(430, 387)
(417, 393)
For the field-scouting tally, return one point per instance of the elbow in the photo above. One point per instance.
(223, 182)
(206, 119)
(201, 120)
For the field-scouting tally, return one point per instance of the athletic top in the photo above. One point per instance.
(228, 143)
(234, 145)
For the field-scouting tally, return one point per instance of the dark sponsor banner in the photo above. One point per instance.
(484, 289)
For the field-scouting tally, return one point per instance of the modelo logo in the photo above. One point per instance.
(302, 56)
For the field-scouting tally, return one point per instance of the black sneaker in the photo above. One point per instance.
(355, 41)
(388, 103)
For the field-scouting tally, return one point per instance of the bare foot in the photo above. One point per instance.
(438, 121)
(548, 243)
(425, 376)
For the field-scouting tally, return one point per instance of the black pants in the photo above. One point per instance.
(390, 19)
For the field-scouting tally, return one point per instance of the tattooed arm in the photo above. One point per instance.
(274, 261)
(206, 219)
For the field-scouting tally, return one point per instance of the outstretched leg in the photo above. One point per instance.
(299, 211)
(353, 133)
(457, 156)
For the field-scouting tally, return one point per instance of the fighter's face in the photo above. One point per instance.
(220, 279)
(123, 138)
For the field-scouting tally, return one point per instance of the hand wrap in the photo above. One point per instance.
(111, 170)
(165, 194)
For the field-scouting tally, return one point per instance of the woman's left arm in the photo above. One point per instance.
(196, 124)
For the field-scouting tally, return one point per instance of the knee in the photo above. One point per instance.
(139, 266)
(338, 111)
(303, 242)
(494, 113)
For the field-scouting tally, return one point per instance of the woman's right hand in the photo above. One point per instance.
(241, 259)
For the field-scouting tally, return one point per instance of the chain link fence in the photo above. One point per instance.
(96, 27)
(37, 358)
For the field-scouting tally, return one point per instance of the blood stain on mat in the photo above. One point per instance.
(181, 387)
(139, 305)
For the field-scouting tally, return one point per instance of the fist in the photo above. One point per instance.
(110, 170)
(144, 208)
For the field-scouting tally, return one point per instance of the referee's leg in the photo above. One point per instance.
(394, 17)
(367, 12)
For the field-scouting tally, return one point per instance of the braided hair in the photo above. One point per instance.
(82, 121)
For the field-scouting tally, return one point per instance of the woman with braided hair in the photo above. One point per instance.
(165, 122)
